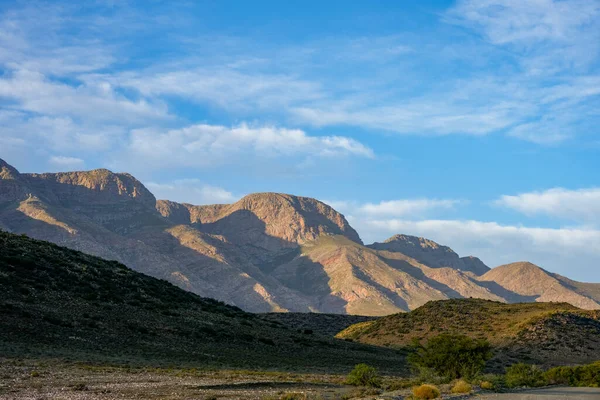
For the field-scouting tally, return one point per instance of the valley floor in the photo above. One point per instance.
(59, 380)
(54, 380)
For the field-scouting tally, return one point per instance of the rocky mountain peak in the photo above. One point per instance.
(12, 186)
(430, 253)
(99, 186)
(7, 171)
(416, 242)
(292, 218)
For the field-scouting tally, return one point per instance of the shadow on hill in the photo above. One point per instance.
(139, 237)
(310, 279)
(390, 294)
(416, 273)
(506, 294)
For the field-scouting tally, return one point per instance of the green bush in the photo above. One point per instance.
(452, 356)
(521, 374)
(560, 376)
(426, 392)
(584, 375)
(363, 375)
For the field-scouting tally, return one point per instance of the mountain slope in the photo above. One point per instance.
(349, 278)
(114, 216)
(544, 333)
(266, 252)
(529, 280)
(431, 253)
(60, 302)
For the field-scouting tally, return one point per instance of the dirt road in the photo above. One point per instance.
(560, 393)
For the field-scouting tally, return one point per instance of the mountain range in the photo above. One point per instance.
(266, 252)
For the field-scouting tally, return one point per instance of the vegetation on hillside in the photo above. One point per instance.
(58, 302)
(451, 356)
(543, 333)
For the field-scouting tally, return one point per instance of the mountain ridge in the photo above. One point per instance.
(265, 252)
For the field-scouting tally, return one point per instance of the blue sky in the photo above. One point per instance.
(473, 123)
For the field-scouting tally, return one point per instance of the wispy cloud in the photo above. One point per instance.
(527, 22)
(201, 145)
(581, 205)
(191, 191)
(406, 208)
(68, 163)
(395, 208)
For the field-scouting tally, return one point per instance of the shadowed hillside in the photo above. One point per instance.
(57, 302)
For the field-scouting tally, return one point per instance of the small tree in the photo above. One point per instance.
(452, 356)
(364, 375)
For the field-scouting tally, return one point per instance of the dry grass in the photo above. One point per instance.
(426, 392)
(487, 385)
(461, 387)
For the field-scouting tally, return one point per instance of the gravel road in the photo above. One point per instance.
(559, 393)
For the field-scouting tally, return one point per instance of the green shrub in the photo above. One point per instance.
(364, 375)
(426, 392)
(560, 376)
(524, 375)
(588, 375)
(452, 356)
(461, 387)
(584, 375)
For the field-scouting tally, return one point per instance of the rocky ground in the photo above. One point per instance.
(55, 380)
(59, 380)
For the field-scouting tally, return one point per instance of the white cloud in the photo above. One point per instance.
(581, 205)
(550, 35)
(191, 191)
(203, 145)
(526, 21)
(35, 93)
(396, 208)
(67, 162)
(222, 85)
(570, 252)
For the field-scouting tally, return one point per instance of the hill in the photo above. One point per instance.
(533, 283)
(543, 333)
(267, 252)
(58, 302)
